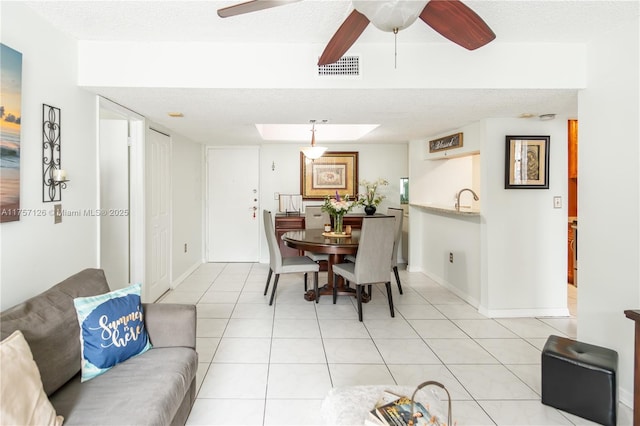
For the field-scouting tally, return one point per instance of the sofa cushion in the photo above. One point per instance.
(23, 399)
(50, 326)
(111, 329)
(145, 390)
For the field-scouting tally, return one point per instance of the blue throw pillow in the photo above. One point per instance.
(111, 329)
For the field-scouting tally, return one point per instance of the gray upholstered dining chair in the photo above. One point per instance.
(398, 214)
(315, 218)
(285, 265)
(373, 260)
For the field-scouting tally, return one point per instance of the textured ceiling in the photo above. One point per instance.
(217, 115)
(314, 21)
(403, 114)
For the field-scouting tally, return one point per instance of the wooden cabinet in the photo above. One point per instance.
(573, 148)
(572, 204)
(284, 224)
(355, 220)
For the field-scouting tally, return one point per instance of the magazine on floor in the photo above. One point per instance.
(397, 410)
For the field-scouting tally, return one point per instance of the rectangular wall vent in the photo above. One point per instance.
(347, 65)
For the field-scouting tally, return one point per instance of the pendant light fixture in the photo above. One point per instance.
(313, 152)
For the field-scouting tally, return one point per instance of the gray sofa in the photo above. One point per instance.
(157, 387)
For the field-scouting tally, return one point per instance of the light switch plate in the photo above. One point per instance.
(557, 202)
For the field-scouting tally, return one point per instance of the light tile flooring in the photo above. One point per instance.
(273, 365)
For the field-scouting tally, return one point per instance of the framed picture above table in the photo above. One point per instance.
(334, 171)
(526, 162)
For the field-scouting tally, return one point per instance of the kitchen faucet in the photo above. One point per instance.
(475, 197)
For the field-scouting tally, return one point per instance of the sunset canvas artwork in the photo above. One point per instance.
(10, 117)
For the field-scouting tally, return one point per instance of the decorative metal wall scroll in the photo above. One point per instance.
(53, 180)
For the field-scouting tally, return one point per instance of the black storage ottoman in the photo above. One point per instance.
(580, 379)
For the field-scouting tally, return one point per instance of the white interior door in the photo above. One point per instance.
(158, 186)
(233, 225)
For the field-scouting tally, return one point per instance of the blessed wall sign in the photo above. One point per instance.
(446, 142)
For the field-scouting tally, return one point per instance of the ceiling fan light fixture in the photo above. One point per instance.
(390, 15)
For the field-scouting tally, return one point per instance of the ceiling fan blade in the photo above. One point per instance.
(251, 6)
(342, 40)
(458, 23)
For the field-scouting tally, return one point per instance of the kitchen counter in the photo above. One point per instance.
(464, 211)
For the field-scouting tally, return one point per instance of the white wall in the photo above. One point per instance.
(443, 234)
(294, 65)
(609, 197)
(37, 254)
(387, 161)
(441, 175)
(435, 179)
(524, 237)
(510, 260)
(187, 206)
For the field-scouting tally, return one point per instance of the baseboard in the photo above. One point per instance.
(495, 313)
(184, 276)
(455, 290)
(524, 313)
(411, 269)
(625, 397)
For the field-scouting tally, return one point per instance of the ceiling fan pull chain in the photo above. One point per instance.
(395, 48)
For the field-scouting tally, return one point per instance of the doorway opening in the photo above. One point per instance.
(120, 185)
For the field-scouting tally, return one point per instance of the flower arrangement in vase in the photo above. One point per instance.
(337, 207)
(370, 199)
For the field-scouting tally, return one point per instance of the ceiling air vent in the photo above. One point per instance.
(345, 66)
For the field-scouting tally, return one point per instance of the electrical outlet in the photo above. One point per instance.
(185, 247)
(450, 257)
(557, 202)
(57, 213)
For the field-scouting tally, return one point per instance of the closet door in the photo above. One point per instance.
(158, 213)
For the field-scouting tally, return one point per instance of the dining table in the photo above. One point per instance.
(336, 246)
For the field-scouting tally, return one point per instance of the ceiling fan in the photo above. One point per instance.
(451, 18)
